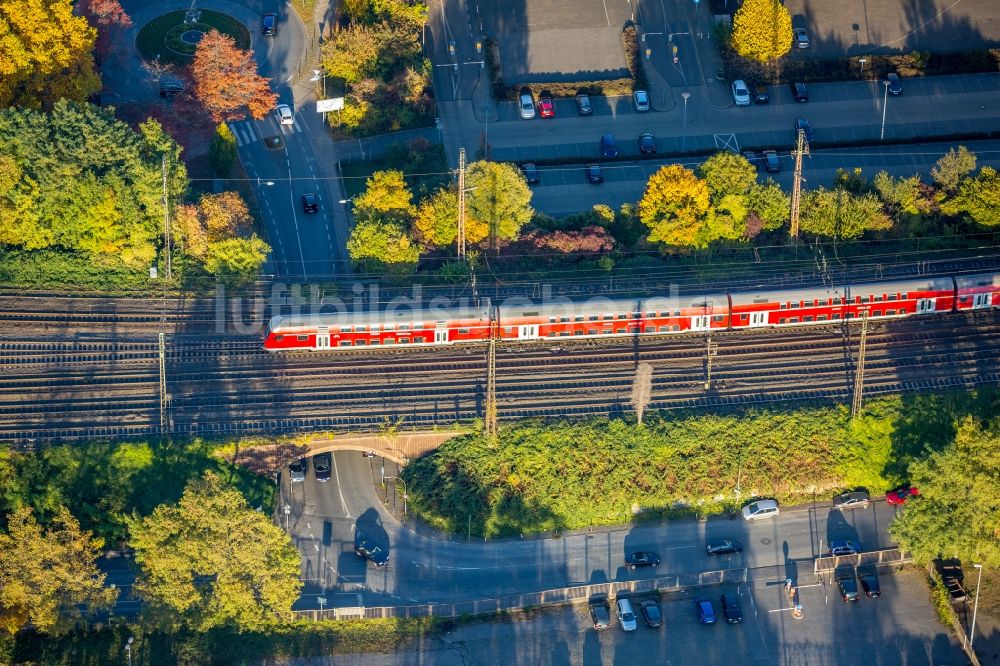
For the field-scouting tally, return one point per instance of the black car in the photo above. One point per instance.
(731, 608)
(723, 547)
(847, 582)
(893, 83)
(530, 172)
(760, 95)
(372, 553)
(600, 613)
(170, 87)
(647, 144)
(583, 105)
(321, 467)
(269, 25)
(799, 92)
(651, 612)
(641, 559)
(857, 499)
(869, 581)
(297, 469)
(608, 146)
(310, 203)
(771, 161)
(594, 175)
(803, 124)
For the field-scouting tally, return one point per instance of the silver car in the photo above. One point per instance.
(527, 105)
(626, 616)
(853, 500)
(297, 469)
(765, 508)
(741, 94)
(640, 100)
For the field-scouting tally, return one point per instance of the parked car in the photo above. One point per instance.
(546, 108)
(170, 87)
(803, 124)
(799, 92)
(297, 469)
(760, 509)
(594, 175)
(894, 84)
(530, 172)
(731, 608)
(371, 552)
(901, 494)
(600, 614)
(583, 105)
(869, 581)
(647, 144)
(723, 547)
(651, 612)
(846, 582)
(608, 146)
(754, 158)
(741, 94)
(760, 94)
(801, 38)
(640, 100)
(705, 610)
(283, 114)
(269, 25)
(857, 499)
(625, 615)
(321, 466)
(526, 104)
(838, 548)
(641, 558)
(310, 203)
(771, 161)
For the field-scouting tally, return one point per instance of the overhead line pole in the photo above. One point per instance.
(801, 147)
(491, 377)
(166, 219)
(859, 372)
(461, 203)
(164, 396)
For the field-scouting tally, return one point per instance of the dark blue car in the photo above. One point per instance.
(706, 612)
(608, 146)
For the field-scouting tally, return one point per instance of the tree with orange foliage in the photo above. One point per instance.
(109, 17)
(226, 80)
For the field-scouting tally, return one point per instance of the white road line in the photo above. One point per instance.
(236, 134)
(340, 490)
(606, 12)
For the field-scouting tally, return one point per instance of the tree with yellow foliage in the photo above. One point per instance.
(677, 209)
(46, 53)
(762, 30)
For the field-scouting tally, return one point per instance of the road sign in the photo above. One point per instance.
(334, 104)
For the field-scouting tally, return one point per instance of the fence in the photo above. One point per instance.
(888, 556)
(363, 149)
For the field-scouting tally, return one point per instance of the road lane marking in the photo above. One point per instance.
(340, 490)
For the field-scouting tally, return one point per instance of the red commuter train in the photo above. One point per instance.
(518, 320)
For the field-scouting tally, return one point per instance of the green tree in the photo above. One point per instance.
(381, 243)
(236, 258)
(436, 222)
(727, 173)
(210, 560)
(769, 203)
(978, 198)
(953, 166)
(762, 30)
(839, 214)
(958, 511)
(47, 577)
(351, 53)
(901, 195)
(386, 196)
(676, 208)
(499, 198)
(222, 150)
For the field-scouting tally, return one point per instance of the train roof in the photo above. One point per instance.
(398, 313)
(839, 290)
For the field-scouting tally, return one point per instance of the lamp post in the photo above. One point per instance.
(128, 650)
(975, 606)
(862, 61)
(885, 101)
(685, 95)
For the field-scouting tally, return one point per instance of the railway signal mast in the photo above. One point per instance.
(164, 396)
(801, 147)
(859, 372)
(491, 376)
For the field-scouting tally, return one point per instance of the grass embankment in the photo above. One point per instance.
(542, 477)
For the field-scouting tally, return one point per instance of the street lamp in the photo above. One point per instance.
(260, 182)
(684, 96)
(975, 606)
(885, 100)
(128, 650)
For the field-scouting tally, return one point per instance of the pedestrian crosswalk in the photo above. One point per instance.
(247, 131)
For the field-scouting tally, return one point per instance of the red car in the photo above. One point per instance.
(900, 495)
(546, 109)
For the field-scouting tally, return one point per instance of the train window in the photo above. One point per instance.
(404, 341)
(360, 343)
(552, 320)
(360, 329)
(404, 327)
(345, 329)
(964, 299)
(793, 320)
(552, 334)
(607, 331)
(608, 317)
(389, 341)
(636, 315)
(821, 317)
(889, 313)
(836, 315)
(664, 329)
(877, 313)
(592, 331)
(563, 334)
(650, 315)
(388, 327)
(744, 317)
(375, 341)
(508, 329)
(417, 339)
(621, 330)
(837, 301)
(903, 296)
(807, 319)
(578, 332)
(782, 320)
(892, 297)
(633, 329)
(593, 318)
(677, 313)
(902, 310)
(279, 338)
(345, 343)
(578, 318)
(622, 315)
(783, 306)
(563, 320)
(650, 329)
(848, 315)
(878, 299)
(675, 327)
(463, 330)
(301, 338)
(718, 318)
(865, 299)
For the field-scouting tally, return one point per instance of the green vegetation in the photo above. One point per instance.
(424, 165)
(568, 475)
(160, 38)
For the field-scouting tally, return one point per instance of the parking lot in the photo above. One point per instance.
(899, 628)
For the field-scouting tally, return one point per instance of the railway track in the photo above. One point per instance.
(108, 385)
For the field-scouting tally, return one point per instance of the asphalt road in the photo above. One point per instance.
(324, 519)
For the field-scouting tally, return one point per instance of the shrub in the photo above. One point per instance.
(633, 57)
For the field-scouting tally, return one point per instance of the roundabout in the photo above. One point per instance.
(169, 39)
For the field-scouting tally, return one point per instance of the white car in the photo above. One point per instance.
(760, 509)
(741, 94)
(527, 106)
(640, 100)
(283, 113)
(626, 616)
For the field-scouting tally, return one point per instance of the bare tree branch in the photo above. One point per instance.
(642, 389)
